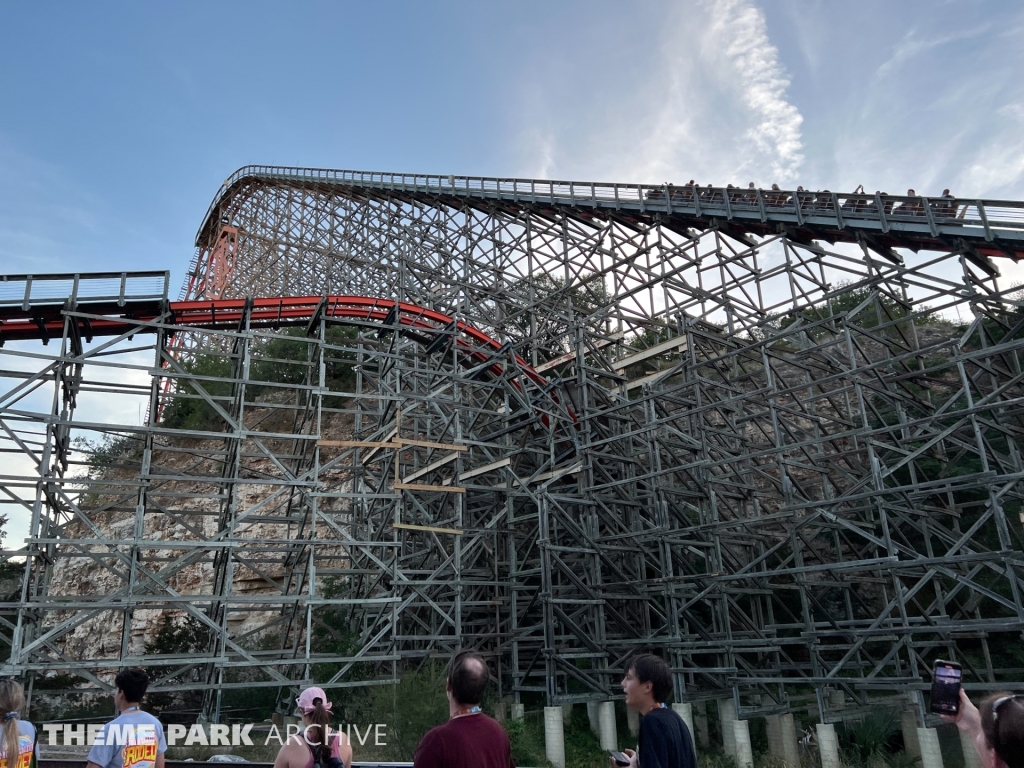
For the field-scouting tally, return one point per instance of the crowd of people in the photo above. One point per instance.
(469, 738)
(809, 202)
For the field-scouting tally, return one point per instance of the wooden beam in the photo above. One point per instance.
(657, 349)
(354, 444)
(485, 468)
(428, 528)
(428, 444)
(422, 487)
(431, 467)
(601, 344)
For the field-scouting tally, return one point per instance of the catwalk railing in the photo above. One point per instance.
(996, 226)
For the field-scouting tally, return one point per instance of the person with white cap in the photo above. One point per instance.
(307, 749)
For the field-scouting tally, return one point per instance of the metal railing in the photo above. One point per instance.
(970, 218)
(24, 291)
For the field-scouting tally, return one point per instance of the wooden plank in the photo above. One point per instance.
(667, 373)
(485, 468)
(422, 487)
(429, 528)
(558, 473)
(571, 355)
(428, 444)
(431, 467)
(354, 444)
(657, 349)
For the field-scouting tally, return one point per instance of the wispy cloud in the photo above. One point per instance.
(914, 43)
(739, 28)
(708, 100)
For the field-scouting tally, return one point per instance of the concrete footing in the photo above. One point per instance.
(828, 745)
(685, 710)
(741, 738)
(971, 757)
(928, 741)
(726, 716)
(700, 721)
(608, 735)
(908, 724)
(790, 745)
(633, 721)
(566, 713)
(554, 736)
(774, 728)
(595, 728)
(518, 711)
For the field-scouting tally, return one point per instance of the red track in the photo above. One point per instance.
(46, 321)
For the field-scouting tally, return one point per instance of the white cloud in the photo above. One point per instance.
(913, 44)
(707, 100)
(739, 28)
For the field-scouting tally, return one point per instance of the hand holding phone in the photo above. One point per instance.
(946, 688)
(618, 757)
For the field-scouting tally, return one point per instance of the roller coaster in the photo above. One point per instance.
(773, 436)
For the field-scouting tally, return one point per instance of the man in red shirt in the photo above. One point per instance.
(470, 739)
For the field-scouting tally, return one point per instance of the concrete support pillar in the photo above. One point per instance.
(592, 717)
(790, 746)
(971, 757)
(727, 716)
(931, 755)
(774, 728)
(606, 723)
(518, 711)
(837, 699)
(500, 712)
(633, 721)
(554, 736)
(741, 737)
(828, 745)
(567, 713)
(908, 723)
(700, 720)
(685, 711)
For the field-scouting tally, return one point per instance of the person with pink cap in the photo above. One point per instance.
(306, 750)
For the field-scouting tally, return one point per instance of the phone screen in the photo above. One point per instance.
(946, 688)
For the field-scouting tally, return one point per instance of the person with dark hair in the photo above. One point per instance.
(664, 741)
(19, 736)
(996, 728)
(133, 739)
(306, 749)
(470, 739)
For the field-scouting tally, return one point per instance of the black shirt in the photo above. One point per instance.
(665, 741)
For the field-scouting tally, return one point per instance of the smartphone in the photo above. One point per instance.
(618, 757)
(946, 688)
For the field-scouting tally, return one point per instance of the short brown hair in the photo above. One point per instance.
(1004, 727)
(649, 668)
(466, 679)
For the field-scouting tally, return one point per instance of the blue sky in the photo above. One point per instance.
(118, 121)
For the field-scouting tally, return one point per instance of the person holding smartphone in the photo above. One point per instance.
(996, 728)
(665, 741)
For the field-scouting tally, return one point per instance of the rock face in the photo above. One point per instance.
(187, 507)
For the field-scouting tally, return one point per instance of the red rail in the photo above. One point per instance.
(45, 321)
